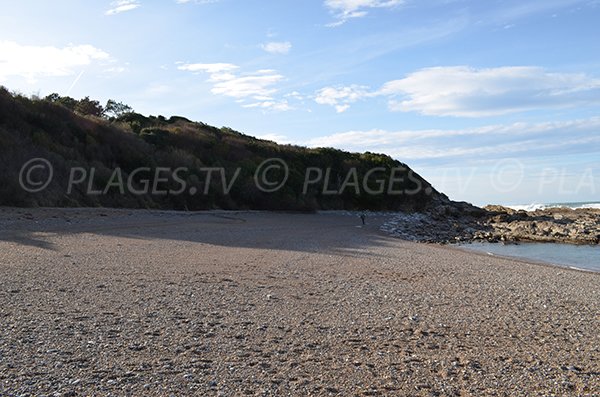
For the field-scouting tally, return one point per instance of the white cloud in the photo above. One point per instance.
(252, 85)
(277, 47)
(258, 86)
(462, 91)
(484, 142)
(347, 9)
(280, 106)
(120, 6)
(208, 67)
(295, 95)
(33, 62)
(468, 92)
(341, 97)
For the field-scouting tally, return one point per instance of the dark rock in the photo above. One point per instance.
(457, 222)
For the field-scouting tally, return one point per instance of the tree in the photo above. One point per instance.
(89, 107)
(117, 109)
(54, 97)
(66, 101)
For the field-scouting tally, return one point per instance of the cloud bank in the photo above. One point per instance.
(341, 97)
(462, 91)
(259, 86)
(493, 141)
(34, 62)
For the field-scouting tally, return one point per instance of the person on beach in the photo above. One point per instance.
(363, 217)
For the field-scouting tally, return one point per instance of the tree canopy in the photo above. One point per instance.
(116, 109)
(91, 107)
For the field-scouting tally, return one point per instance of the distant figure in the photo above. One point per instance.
(362, 218)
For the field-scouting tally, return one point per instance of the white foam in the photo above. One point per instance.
(591, 205)
(527, 207)
(538, 206)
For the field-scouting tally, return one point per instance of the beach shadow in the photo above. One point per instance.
(27, 238)
(315, 233)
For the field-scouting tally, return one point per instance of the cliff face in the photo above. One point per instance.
(153, 162)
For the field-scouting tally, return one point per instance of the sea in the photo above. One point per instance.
(582, 257)
(535, 206)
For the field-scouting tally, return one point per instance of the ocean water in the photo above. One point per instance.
(539, 206)
(584, 257)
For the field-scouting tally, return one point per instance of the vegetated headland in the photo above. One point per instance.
(95, 150)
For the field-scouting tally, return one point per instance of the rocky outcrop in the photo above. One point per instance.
(443, 222)
(557, 225)
(451, 222)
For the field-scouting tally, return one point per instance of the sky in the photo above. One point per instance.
(492, 101)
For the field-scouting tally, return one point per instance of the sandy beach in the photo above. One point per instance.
(132, 303)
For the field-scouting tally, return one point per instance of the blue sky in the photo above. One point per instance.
(492, 101)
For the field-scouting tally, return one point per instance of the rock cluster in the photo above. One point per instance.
(445, 222)
(449, 222)
(556, 225)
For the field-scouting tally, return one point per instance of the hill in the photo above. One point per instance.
(112, 162)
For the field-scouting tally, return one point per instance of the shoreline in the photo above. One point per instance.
(521, 259)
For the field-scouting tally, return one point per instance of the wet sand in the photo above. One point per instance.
(118, 302)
